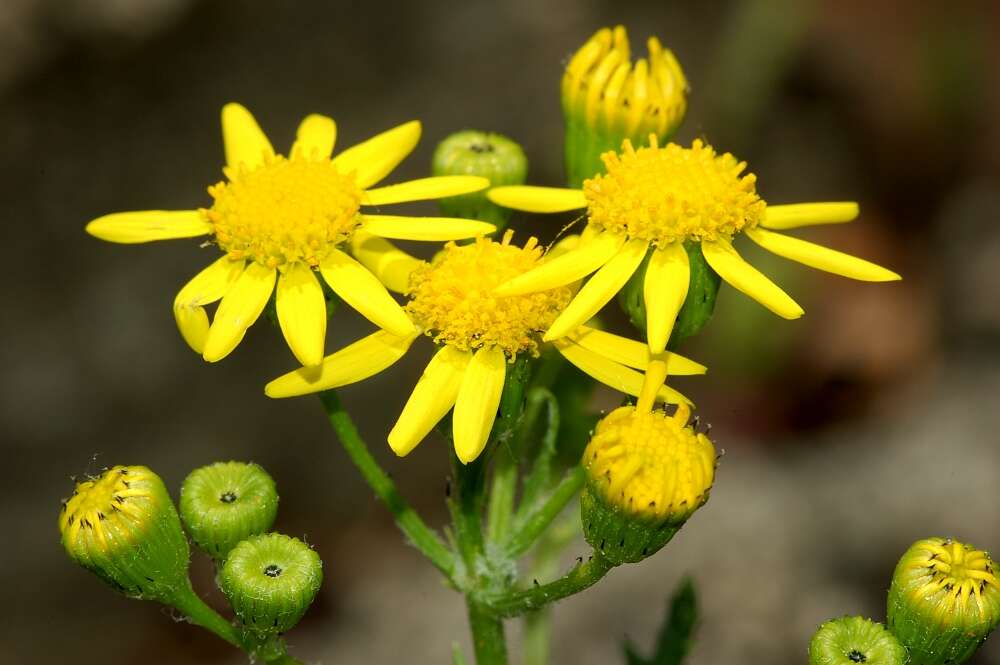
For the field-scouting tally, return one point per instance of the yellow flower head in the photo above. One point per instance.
(279, 220)
(652, 201)
(670, 194)
(123, 526)
(649, 464)
(452, 300)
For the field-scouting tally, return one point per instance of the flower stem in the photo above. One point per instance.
(488, 640)
(516, 603)
(410, 523)
(537, 520)
(200, 614)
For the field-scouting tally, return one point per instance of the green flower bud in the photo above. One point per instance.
(488, 155)
(606, 99)
(226, 502)
(852, 640)
(944, 601)
(647, 473)
(270, 581)
(123, 526)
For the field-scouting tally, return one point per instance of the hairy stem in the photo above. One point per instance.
(516, 603)
(537, 520)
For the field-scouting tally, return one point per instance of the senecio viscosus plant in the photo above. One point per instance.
(517, 349)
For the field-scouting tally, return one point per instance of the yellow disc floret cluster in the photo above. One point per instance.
(650, 464)
(105, 513)
(284, 211)
(954, 578)
(672, 193)
(452, 297)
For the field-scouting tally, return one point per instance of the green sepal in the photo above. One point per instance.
(619, 536)
(226, 502)
(698, 307)
(489, 155)
(677, 632)
(270, 581)
(853, 640)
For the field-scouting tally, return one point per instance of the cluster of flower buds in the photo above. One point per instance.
(944, 601)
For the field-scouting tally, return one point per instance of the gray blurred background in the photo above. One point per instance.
(868, 424)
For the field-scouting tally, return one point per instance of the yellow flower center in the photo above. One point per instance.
(672, 193)
(950, 574)
(650, 464)
(452, 297)
(285, 210)
(104, 511)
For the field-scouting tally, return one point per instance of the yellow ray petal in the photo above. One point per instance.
(477, 402)
(821, 258)
(149, 225)
(724, 260)
(375, 158)
(599, 289)
(432, 229)
(206, 287)
(610, 373)
(315, 137)
(432, 397)
(565, 268)
(630, 352)
(302, 313)
(538, 199)
(664, 290)
(239, 308)
(426, 188)
(808, 214)
(360, 289)
(390, 264)
(366, 357)
(244, 140)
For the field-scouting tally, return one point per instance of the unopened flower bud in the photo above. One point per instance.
(123, 526)
(491, 156)
(944, 601)
(606, 99)
(270, 581)
(224, 503)
(647, 472)
(854, 640)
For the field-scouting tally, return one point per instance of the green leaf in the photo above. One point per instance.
(676, 634)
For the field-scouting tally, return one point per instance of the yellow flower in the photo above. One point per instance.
(280, 219)
(658, 198)
(452, 300)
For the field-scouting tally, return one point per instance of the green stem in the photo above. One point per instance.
(200, 614)
(421, 536)
(516, 603)
(536, 521)
(504, 486)
(488, 640)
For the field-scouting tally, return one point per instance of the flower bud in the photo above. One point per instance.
(270, 581)
(852, 640)
(226, 502)
(606, 99)
(123, 526)
(944, 601)
(647, 473)
(488, 155)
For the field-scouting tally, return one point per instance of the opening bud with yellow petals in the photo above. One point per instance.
(226, 502)
(647, 472)
(853, 640)
(270, 581)
(123, 526)
(484, 154)
(606, 99)
(944, 601)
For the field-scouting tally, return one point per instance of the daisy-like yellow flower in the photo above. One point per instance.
(660, 197)
(278, 220)
(452, 301)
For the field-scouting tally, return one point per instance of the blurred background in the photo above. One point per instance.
(866, 425)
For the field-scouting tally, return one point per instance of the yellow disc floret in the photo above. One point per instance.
(285, 210)
(650, 464)
(951, 577)
(672, 193)
(452, 297)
